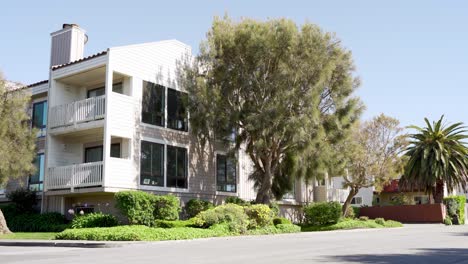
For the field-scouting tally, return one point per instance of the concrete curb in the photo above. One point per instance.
(55, 243)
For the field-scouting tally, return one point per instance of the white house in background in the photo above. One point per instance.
(115, 121)
(339, 193)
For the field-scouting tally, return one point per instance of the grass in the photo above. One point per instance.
(29, 235)
(351, 224)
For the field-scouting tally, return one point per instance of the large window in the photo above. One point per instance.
(153, 104)
(39, 119)
(152, 164)
(36, 181)
(176, 110)
(356, 200)
(225, 173)
(176, 167)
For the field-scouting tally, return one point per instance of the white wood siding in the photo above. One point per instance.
(121, 173)
(122, 115)
(155, 62)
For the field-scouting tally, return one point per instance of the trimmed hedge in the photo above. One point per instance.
(173, 224)
(94, 220)
(47, 222)
(456, 208)
(281, 221)
(236, 200)
(137, 206)
(231, 214)
(144, 233)
(322, 213)
(142, 208)
(196, 206)
(260, 215)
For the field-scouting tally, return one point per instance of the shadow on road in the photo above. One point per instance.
(426, 255)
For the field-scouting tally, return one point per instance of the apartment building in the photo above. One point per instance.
(115, 121)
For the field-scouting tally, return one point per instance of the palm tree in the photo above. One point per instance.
(437, 157)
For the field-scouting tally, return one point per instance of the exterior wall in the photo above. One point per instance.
(424, 213)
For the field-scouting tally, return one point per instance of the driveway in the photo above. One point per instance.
(411, 244)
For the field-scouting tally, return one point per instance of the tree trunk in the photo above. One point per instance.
(3, 225)
(263, 194)
(346, 204)
(438, 192)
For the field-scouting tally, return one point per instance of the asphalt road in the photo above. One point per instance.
(411, 244)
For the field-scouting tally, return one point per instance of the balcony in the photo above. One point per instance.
(77, 112)
(75, 176)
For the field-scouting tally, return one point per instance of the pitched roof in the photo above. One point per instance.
(80, 60)
(37, 83)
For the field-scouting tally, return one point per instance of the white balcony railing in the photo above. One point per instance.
(75, 176)
(78, 112)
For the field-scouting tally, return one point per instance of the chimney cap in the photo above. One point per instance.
(69, 25)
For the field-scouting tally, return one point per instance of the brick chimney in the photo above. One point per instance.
(67, 44)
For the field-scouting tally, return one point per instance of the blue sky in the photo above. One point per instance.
(412, 56)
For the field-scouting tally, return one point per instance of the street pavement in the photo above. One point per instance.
(410, 244)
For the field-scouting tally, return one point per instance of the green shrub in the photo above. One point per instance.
(173, 224)
(279, 229)
(322, 213)
(236, 200)
(141, 233)
(94, 220)
(357, 211)
(166, 207)
(391, 223)
(195, 206)
(380, 221)
(275, 209)
(24, 200)
(231, 214)
(350, 213)
(456, 208)
(47, 222)
(260, 215)
(137, 206)
(447, 220)
(281, 221)
(363, 218)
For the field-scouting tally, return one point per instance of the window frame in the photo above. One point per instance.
(355, 198)
(163, 162)
(39, 183)
(45, 108)
(179, 98)
(162, 114)
(236, 166)
(165, 188)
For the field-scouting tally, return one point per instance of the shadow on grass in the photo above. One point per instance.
(426, 255)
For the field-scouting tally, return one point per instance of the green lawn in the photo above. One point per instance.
(351, 224)
(22, 235)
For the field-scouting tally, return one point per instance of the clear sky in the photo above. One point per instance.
(412, 56)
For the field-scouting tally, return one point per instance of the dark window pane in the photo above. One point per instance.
(115, 150)
(226, 176)
(36, 180)
(93, 154)
(176, 110)
(40, 115)
(152, 164)
(117, 88)
(96, 92)
(153, 104)
(176, 167)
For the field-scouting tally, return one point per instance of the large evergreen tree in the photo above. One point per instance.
(286, 91)
(17, 147)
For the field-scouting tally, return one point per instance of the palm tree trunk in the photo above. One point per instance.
(438, 192)
(3, 225)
